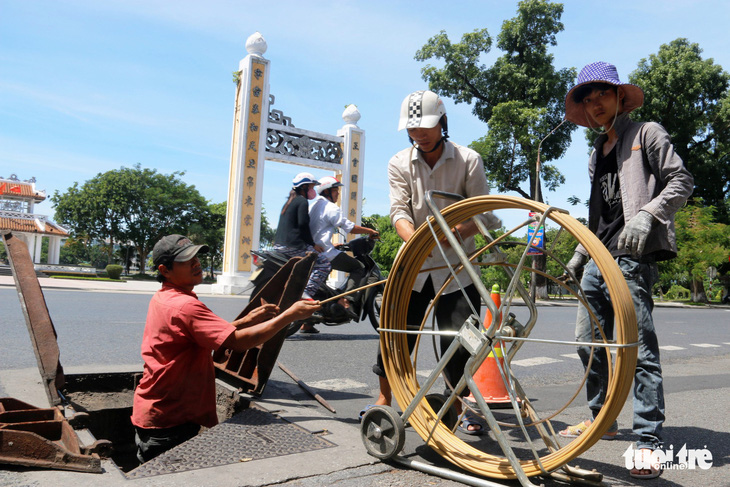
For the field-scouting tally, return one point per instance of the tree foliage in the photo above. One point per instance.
(702, 243)
(81, 250)
(211, 231)
(385, 251)
(266, 233)
(520, 96)
(134, 205)
(689, 96)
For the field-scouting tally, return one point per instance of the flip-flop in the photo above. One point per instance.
(365, 410)
(470, 420)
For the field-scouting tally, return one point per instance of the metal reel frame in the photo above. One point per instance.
(401, 373)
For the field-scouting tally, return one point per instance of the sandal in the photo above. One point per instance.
(470, 420)
(365, 410)
(578, 429)
(654, 470)
(308, 330)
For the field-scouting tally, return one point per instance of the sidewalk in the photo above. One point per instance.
(106, 286)
(150, 287)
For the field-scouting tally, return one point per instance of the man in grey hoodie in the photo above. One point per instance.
(638, 183)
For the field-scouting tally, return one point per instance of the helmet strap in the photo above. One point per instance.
(435, 148)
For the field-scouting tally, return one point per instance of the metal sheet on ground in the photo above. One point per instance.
(250, 435)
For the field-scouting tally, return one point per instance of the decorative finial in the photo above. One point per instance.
(351, 114)
(256, 44)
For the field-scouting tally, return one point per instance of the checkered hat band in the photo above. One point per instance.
(415, 110)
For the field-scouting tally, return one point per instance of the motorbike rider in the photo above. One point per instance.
(293, 237)
(325, 217)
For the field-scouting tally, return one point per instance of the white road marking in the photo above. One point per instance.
(424, 373)
(570, 355)
(530, 362)
(705, 345)
(671, 348)
(337, 384)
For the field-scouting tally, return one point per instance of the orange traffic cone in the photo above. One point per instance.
(488, 379)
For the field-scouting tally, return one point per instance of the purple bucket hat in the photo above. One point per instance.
(601, 72)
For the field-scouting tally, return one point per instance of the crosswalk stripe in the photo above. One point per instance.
(671, 348)
(530, 362)
(571, 355)
(705, 345)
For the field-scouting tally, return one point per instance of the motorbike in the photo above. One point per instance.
(367, 304)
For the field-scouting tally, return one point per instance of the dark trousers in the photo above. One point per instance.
(354, 268)
(155, 441)
(452, 311)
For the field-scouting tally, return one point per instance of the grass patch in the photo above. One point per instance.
(141, 277)
(85, 278)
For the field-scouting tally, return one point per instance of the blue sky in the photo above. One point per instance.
(90, 86)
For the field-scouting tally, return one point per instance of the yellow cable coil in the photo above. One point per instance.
(402, 376)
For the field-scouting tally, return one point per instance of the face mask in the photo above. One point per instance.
(311, 194)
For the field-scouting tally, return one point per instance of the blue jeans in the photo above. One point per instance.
(648, 383)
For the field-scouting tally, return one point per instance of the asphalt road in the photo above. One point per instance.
(100, 328)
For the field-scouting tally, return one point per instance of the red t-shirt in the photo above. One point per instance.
(178, 384)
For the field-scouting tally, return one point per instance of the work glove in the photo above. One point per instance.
(574, 267)
(634, 235)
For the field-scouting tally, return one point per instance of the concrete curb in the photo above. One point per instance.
(150, 287)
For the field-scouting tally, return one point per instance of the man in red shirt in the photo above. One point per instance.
(176, 395)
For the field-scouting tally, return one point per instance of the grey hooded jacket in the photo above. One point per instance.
(652, 177)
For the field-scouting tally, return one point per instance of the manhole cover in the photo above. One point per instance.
(252, 434)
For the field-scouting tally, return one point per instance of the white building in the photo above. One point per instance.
(17, 200)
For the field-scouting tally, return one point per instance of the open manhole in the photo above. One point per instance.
(99, 407)
(246, 432)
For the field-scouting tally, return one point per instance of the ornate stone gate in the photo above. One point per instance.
(261, 133)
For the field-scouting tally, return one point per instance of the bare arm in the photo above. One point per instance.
(258, 315)
(404, 229)
(250, 336)
(359, 229)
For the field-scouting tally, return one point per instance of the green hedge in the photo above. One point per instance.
(114, 271)
(677, 292)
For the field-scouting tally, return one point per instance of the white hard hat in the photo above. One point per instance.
(421, 109)
(328, 182)
(304, 178)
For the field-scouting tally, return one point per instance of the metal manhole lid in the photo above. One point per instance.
(250, 435)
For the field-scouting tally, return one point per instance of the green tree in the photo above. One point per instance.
(93, 211)
(520, 96)
(81, 250)
(702, 243)
(125, 254)
(385, 251)
(134, 205)
(267, 234)
(689, 96)
(211, 231)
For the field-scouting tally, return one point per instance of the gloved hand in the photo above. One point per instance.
(575, 267)
(634, 235)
